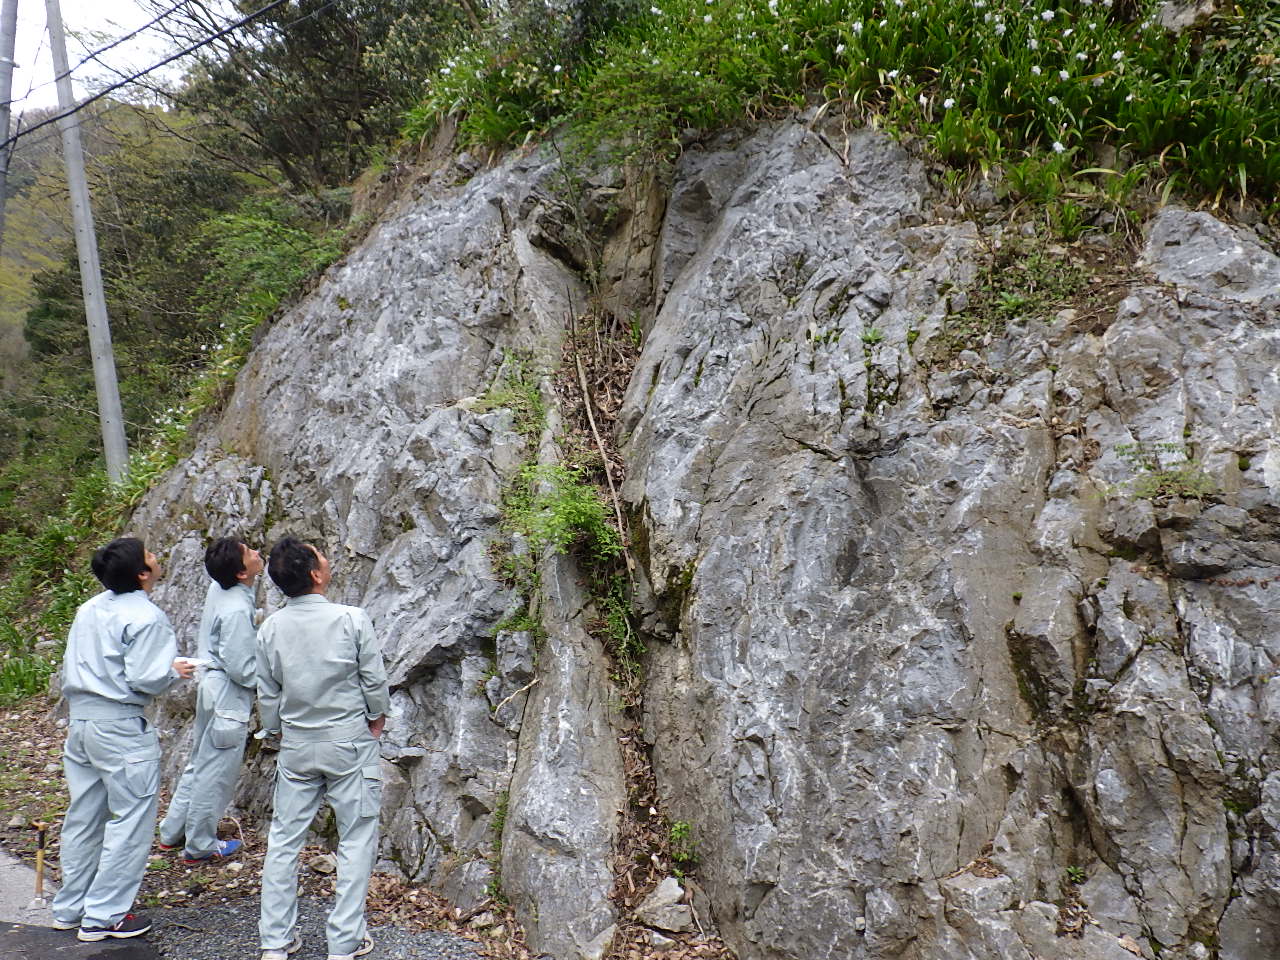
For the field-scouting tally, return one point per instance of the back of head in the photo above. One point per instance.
(224, 561)
(290, 566)
(119, 564)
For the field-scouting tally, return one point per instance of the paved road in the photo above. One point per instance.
(25, 933)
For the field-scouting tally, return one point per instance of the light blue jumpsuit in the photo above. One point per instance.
(321, 681)
(119, 656)
(228, 639)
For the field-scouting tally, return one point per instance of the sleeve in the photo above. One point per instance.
(239, 648)
(373, 673)
(149, 655)
(268, 685)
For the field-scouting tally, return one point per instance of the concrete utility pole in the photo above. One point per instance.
(95, 304)
(8, 37)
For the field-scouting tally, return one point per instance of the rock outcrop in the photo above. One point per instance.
(958, 648)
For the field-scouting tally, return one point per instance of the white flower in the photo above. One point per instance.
(1035, 71)
(1033, 44)
(1046, 15)
(1082, 56)
(987, 18)
(1118, 55)
(883, 24)
(786, 47)
(655, 61)
(1063, 75)
(557, 68)
(948, 103)
(979, 4)
(1097, 81)
(707, 18)
(1058, 147)
(893, 74)
(1129, 98)
(446, 71)
(655, 11)
(857, 26)
(899, 3)
(1067, 32)
(1000, 28)
(924, 101)
(839, 48)
(1054, 101)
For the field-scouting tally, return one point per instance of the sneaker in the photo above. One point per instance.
(225, 849)
(294, 946)
(57, 924)
(131, 925)
(366, 945)
(168, 847)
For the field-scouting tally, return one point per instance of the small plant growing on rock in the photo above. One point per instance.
(684, 851)
(1163, 471)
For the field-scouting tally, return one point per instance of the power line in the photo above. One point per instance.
(151, 69)
(95, 54)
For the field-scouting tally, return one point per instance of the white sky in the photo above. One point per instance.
(89, 24)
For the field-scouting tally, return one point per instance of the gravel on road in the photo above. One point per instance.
(231, 933)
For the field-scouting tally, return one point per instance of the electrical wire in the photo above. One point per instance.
(151, 69)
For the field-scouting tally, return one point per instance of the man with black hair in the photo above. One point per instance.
(121, 652)
(227, 640)
(323, 686)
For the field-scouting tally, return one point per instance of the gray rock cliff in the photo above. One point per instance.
(930, 674)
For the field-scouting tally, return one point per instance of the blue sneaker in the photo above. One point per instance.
(224, 849)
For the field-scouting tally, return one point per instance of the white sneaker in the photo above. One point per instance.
(366, 946)
(294, 946)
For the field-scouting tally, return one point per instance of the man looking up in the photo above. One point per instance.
(121, 652)
(321, 685)
(227, 639)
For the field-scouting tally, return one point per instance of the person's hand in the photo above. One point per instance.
(184, 668)
(375, 726)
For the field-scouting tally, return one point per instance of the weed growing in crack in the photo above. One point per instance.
(1164, 471)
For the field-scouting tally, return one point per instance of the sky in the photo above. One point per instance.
(89, 24)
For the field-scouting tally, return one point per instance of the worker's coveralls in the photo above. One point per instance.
(227, 638)
(119, 655)
(321, 681)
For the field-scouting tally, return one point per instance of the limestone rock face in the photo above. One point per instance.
(901, 635)
(941, 666)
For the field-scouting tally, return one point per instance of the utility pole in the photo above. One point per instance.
(8, 37)
(95, 304)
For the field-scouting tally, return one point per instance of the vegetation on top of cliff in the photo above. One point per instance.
(984, 81)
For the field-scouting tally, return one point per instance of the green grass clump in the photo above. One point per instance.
(985, 81)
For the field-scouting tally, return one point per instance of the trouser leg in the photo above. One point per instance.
(217, 769)
(299, 788)
(355, 793)
(81, 837)
(127, 753)
(174, 825)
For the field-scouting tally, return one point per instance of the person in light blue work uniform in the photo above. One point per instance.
(121, 652)
(321, 685)
(228, 640)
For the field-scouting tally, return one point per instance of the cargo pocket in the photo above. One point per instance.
(227, 730)
(141, 773)
(371, 795)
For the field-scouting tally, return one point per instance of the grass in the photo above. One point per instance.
(985, 82)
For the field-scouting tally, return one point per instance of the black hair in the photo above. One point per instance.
(224, 560)
(119, 564)
(290, 566)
